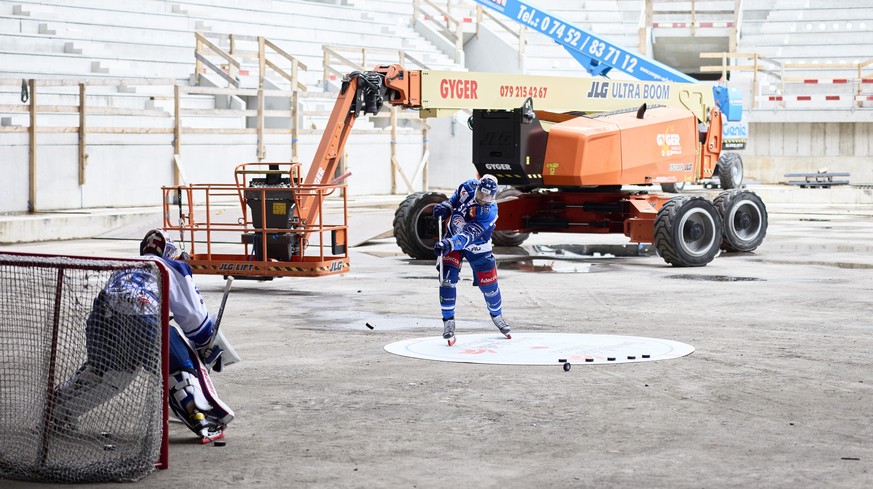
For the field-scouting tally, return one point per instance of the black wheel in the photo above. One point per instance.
(673, 188)
(744, 218)
(507, 238)
(688, 231)
(730, 170)
(414, 226)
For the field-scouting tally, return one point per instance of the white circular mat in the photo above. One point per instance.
(541, 349)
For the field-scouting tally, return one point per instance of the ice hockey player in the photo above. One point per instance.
(470, 213)
(132, 293)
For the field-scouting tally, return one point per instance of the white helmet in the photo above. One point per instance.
(158, 243)
(486, 191)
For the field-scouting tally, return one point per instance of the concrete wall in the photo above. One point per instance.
(775, 149)
(451, 151)
(129, 170)
(489, 52)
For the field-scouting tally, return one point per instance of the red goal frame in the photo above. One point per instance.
(163, 459)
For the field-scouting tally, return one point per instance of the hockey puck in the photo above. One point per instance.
(369, 326)
(646, 356)
(562, 360)
(567, 366)
(631, 357)
(219, 443)
(610, 359)
(589, 359)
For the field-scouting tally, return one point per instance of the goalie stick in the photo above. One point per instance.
(221, 309)
(217, 344)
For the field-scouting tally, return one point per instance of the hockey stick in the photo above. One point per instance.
(440, 235)
(220, 311)
(210, 353)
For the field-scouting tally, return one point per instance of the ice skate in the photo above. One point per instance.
(449, 331)
(501, 325)
(206, 427)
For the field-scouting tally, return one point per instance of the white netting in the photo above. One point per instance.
(81, 384)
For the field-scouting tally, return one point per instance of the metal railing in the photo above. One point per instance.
(787, 76)
(706, 16)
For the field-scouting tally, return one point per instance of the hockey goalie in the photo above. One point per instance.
(127, 307)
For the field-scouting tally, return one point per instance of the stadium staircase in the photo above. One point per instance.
(130, 54)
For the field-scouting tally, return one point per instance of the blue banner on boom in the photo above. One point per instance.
(597, 55)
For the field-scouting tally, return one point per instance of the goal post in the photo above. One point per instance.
(83, 368)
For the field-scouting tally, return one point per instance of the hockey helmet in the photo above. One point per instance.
(486, 191)
(158, 243)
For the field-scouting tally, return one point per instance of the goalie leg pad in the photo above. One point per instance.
(191, 386)
(88, 388)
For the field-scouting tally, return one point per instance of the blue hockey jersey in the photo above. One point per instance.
(135, 292)
(471, 223)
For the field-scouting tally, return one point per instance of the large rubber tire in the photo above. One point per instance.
(507, 238)
(415, 229)
(688, 231)
(744, 217)
(730, 170)
(673, 188)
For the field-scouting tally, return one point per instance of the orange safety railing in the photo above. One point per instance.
(266, 225)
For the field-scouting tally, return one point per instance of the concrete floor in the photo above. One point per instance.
(777, 393)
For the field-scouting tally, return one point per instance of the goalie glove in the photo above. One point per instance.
(211, 356)
(221, 354)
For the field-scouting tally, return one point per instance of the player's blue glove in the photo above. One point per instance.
(443, 247)
(443, 209)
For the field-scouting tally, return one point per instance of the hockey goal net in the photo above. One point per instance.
(83, 380)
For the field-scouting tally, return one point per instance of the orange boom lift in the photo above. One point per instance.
(563, 166)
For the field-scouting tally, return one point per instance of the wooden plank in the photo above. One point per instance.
(75, 109)
(224, 91)
(31, 203)
(83, 155)
(241, 112)
(177, 134)
(285, 75)
(217, 50)
(216, 69)
(283, 53)
(262, 74)
(180, 171)
(94, 82)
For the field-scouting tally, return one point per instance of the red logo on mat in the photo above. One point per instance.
(476, 351)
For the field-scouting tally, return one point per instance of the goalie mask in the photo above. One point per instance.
(158, 243)
(486, 191)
